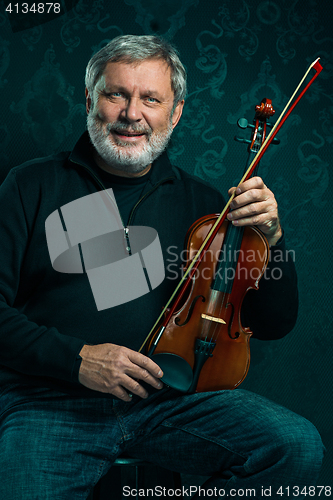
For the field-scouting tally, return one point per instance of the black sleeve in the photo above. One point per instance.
(26, 347)
(271, 311)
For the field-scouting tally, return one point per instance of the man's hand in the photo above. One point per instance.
(255, 205)
(116, 370)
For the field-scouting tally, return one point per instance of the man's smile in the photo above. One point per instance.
(128, 135)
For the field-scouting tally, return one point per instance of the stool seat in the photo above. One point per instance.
(109, 487)
(134, 462)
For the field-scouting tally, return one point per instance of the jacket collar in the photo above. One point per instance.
(82, 154)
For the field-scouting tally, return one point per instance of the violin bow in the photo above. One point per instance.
(189, 273)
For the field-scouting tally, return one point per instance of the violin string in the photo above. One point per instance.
(212, 331)
(233, 242)
(219, 303)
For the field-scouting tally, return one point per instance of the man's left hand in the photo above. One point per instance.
(255, 205)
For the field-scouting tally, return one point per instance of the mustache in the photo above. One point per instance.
(134, 128)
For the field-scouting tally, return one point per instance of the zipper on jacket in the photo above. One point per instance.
(128, 248)
(145, 195)
(126, 228)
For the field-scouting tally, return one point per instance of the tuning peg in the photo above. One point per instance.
(243, 123)
(241, 139)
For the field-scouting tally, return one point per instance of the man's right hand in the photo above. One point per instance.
(117, 370)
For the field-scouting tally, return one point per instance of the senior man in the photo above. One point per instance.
(75, 391)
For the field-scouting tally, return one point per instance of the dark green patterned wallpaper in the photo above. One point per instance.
(236, 52)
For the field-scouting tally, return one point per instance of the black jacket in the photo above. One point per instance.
(47, 316)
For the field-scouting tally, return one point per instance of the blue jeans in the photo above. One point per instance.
(56, 447)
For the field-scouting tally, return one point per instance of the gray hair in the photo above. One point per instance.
(131, 49)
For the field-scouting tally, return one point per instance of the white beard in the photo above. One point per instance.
(126, 156)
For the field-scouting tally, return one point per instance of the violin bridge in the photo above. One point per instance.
(212, 318)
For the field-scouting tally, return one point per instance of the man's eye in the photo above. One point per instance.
(112, 94)
(151, 99)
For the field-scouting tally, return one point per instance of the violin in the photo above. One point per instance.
(205, 346)
(199, 340)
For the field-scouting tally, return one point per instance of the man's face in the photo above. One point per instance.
(130, 122)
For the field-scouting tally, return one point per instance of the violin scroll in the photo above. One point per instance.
(264, 110)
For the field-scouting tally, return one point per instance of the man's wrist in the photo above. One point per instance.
(273, 240)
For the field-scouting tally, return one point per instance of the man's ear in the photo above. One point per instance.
(177, 113)
(88, 101)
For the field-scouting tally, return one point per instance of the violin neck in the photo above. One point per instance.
(228, 258)
(230, 251)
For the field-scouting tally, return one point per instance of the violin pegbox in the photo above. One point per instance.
(263, 112)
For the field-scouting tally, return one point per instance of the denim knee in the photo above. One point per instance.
(298, 448)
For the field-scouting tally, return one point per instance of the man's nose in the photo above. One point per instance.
(132, 110)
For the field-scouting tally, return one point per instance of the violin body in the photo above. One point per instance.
(205, 347)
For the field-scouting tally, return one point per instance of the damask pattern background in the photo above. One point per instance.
(236, 52)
